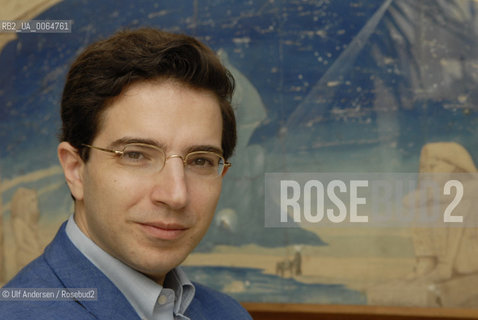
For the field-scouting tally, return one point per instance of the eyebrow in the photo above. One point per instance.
(127, 140)
(204, 148)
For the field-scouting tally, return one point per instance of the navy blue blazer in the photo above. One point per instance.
(62, 265)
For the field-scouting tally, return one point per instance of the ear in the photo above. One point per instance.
(73, 167)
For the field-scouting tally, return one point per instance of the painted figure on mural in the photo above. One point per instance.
(291, 266)
(24, 221)
(443, 251)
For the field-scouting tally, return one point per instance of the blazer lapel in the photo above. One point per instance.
(74, 270)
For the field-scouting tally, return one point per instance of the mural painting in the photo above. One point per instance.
(382, 86)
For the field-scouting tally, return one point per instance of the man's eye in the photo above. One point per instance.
(133, 155)
(202, 162)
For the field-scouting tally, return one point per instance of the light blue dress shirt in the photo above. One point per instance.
(149, 299)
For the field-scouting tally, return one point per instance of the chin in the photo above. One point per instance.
(157, 265)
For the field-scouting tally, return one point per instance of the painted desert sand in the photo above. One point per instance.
(373, 261)
(357, 258)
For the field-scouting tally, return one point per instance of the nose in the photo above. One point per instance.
(170, 186)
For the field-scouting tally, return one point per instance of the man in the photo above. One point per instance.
(147, 131)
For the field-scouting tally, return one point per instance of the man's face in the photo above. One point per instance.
(151, 223)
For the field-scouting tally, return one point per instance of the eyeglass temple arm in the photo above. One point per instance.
(103, 149)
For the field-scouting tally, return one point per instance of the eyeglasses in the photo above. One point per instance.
(148, 159)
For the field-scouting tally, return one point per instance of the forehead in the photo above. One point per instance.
(166, 111)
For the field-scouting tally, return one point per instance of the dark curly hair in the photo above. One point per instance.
(107, 67)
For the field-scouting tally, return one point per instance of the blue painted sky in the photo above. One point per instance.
(345, 85)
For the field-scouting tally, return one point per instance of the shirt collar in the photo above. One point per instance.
(139, 290)
(183, 288)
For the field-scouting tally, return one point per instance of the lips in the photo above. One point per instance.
(163, 231)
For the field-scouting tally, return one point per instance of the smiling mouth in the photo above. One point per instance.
(163, 232)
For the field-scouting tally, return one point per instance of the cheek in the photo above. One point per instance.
(108, 194)
(204, 200)
(125, 186)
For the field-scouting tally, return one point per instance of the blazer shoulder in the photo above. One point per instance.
(43, 310)
(37, 274)
(63, 266)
